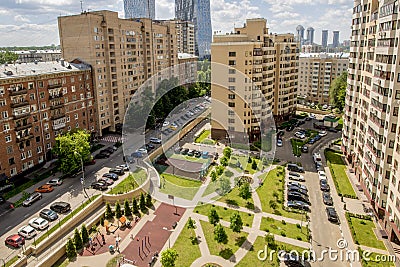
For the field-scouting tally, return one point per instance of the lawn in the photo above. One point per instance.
(130, 182)
(214, 186)
(188, 252)
(296, 146)
(246, 166)
(233, 198)
(363, 233)
(284, 229)
(251, 258)
(271, 192)
(225, 213)
(377, 260)
(338, 171)
(235, 240)
(179, 186)
(203, 138)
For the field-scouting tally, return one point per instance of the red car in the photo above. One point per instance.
(15, 241)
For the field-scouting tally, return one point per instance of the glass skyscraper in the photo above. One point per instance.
(140, 9)
(197, 12)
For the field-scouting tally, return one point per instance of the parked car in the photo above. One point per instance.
(15, 241)
(190, 153)
(106, 181)
(333, 130)
(321, 175)
(307, 119)
(155, 140)
(280, 133)
(279, 142)
(204, 155)
(142, 150)
(39, 223)
(102, 156)
(91, 161)
(332, 215)
(296, 204)
(317, 137)
(327, 198)
(197, 154)
(123, 167)
(184, 151)
(312, 116)
(296, 177)
(290, 128)
(111, 176)
(294, 260)
(322, 133)
(99, 186)
(128, 159)
(324, 186)
(304, 149)
(297, 196)
(60, 207)
(27, 231)
(31, 199)
(55, 181)
(137, 154)
(117, 171)
(300, 135)
(149, 146)
(317, 157)
(311, 141)
(294, 167)
(107, 151)
(298, 190)
(48, 214)
(299, 185)
(165, 123)
(46, 188)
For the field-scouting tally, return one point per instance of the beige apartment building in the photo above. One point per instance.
(269, 65)
(124, 53)
(371, 130)
(26, 56)
(316, 73)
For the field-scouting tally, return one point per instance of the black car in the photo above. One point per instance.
(280, 133)
(308, 119)
(294, 167)
(298, 190)
(111, 176)
(327, 198)
(48, 214)
(296, 204)
(31, 199)
(117, 171)
(107, 151)
(184, 151)
(324, 186)
(149, 146)
(311, 141)
(60, 207)
(102, 156)
(99, 186)
(197, 154)
(190, 153)
(297, 196)
(332, 215)
(304, 149)
(317, 137)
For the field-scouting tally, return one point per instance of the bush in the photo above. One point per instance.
(298, 226)
(85, 235)
(118, 212)
(102, 221)
(273, 204)
(299, 238)
(127, 208)
(70, 249)
(142, 203)
(283, 222)
(149, 201)
(135, 209)
(108, 213)
(77, 240)
(249, 160)
(283, 233)
(254, 165)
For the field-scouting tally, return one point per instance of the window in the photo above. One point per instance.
(232, 71)
(39, 149)
(394, 126)
(231, 120)
(396, 111)
(73, 88)
(8, 138)
(23, 156)
(76, 116)
(48, 146)
(232, 62)
(231, 87)
(391, 144)
(45, 115)
(29, 153)
(389, 159)
(47, 136)
(231, 96)
(232, 54)
(10, 150)
(4, 114)
(1, 90)
(231, 104)
(231, 112)
(13, 171)
(231, 79)
(11, 161)
(6, 126)
(43, 105)
(397, 94)
(3, 102)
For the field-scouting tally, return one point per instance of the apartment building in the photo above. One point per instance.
(316, 73)
(124, 53)
(39, 101)
(371, 130)
(26, 56)
(185, 36)
(269, 63)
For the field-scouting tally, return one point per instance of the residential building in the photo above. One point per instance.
(124, 53)
(316, 73)
(269, 63)
(25, 56)
(310, 35)
(187, 68)
(335, 41)
(186, 39)
(324, 39)
(140, 9)
(371, 129)
(197, 12)
(39, 101)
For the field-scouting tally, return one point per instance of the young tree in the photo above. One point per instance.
(227, 152)
(108, 212)
(77, 240)
(337, 92)
(213, 217)
(244, 191)
(224, 161)
(270, 239)
(84, 234)
(236, 223)
(127, 208)
(219, 234)
(254, 165)
(249, 160)
(213, 176)
(224, 186)
(191, 223)
(70, 249)
(220, 169)
(169, 257)
(142, 203)
(135, 209)
(118, 212)
(149, 202)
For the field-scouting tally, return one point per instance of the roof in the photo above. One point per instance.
(325, 55)
(23, 52)
(186, 56)
(15, 70)
(331, 118)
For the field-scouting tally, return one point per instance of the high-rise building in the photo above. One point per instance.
(335, 42)
(317, 71)
(270, 64)
(185, 36)
(300, 34)
(140, 9)
(310, 35)
(371, 131)
(124, 53)
(324, 42)
(197, 12)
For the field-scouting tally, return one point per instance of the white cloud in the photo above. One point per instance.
(20, 18)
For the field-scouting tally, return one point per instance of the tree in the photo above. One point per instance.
(7, 57)
(270, 239)
(191, 223)
(84, 234)
(70, 249)
(244, 191)
(135, 209)
(77, 240)
(227, 152)
(254, 165)
(213, 176)
(127, 208)
(220, 170)
(118, 212)
(224, 186)
(236, 223)
(108, 212)
(337, 92)
(219, 234)
(149, 202)
(249, 160)
(224, 161)
(213, 216)
(169, 257)
(142, 203)
(71, 147)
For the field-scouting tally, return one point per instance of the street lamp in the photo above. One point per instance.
(166, 229)
(83, 175)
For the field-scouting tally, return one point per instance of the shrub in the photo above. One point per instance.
(298, 226)
(283, 222)
(127, 208)
(149, 201)
(299, 238)
(283, 233)
(142, 203)
(273, 204)
(70, 249)
(85, 235)
(77, 240)
(108, 213)
(135, 209)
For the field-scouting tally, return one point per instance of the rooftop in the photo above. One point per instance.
(23, 52)
(325, 55)
(186, 56)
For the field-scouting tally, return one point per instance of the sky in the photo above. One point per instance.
(34, 22)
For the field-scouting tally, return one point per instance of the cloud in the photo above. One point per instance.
(20, 18)
(165, 9)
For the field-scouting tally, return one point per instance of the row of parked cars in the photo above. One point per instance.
(327, 198)
(108, 179)
(192, 152)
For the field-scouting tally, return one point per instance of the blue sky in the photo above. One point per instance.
(34, 22)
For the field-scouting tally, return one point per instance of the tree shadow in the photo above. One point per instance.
(240, 240)
(226, 253)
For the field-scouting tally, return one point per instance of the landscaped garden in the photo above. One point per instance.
(338, 171)
(225, 213)
(188, 251)
(203, 138)
(377, 260)
(233, 198)
(188, 158)
(179, 186)
(130, 182)
(285, 229)
(241, 163)
(297, 144)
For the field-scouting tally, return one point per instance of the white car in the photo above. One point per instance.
(322, 133)
(294, 176)
(27, 231)
(55, 181)
(312, 116)
(322, 175)
(155, 140)
(300, 135)
(165, 124)
(142, 150)
(125, 167)
(279, 142)
(39, 223)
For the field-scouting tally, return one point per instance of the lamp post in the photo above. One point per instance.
(83, 175)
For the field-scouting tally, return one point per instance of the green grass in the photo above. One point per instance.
(233, 198)
(245, 164)
(251, 258)
(188, 252)
(203, 138)
(235, 240)
(179, 186)
(340, 123)
(130, 182)
(274, 182)
(11, 261)
(64, 220)
(297, 144)
(290, 230)
(364, 234)
(26, 185)
(376, 260)
(225, 213)
(338, 171)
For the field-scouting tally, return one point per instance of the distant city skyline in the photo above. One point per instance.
(139, 9)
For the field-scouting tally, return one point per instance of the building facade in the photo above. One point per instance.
(39, 101)
(38, 55)
(140, 9)
(335, 41)
(124, 54)
(186, 39)
(324, 38)
(371, 130)
(316, 73)
(197, 12)
(310, 35)
(270, 64)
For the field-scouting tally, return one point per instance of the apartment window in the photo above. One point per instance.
(397, 94)
(232, 54)
(8, 138)
(10, 150)
(391, 144)
(231, 96)
(231, 79)
(385, 189)
(389, 159)
(394, 126)
(72, 87)
(32, 96)
(40, 84)
(232, 71)
(13, 171)
(23, 156)
(76, 116)
(232, 62)
(48, 146)
(231, 104)
(230, 128)
(39, 149)
(2, 90)
(43, 105)
(391, 195)
(231, 112)
(11, 161)
(4, 114)
(232, 87)
(6, 126)
(231, 120)
(3, 102)
(47, 136)
(396, 111)
(45, 115)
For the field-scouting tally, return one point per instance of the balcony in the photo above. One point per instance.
(52, 86)
(57, 116)
(59, 126)
(21, 115)
(23, 127)
(54, 96)
(20, 91)
(56, 106)
(19, 104)
(24, 137)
